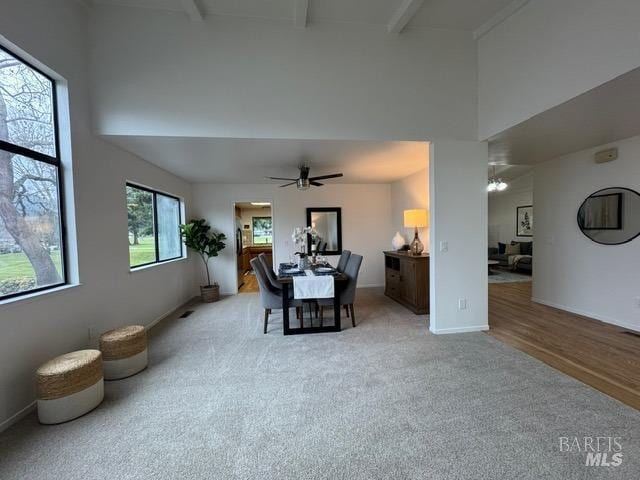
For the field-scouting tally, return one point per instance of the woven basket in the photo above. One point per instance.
(123, 342)
(68, 374)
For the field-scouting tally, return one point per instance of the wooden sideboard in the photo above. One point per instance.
(407, 280)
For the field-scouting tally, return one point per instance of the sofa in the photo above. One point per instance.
(521, 262)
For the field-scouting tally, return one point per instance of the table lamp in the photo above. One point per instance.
(416, 218)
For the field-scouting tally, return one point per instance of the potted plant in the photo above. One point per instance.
(197, 235)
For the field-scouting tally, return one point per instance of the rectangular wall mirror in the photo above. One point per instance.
(327, 222)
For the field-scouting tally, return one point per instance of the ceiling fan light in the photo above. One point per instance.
(303, 184)
(492, 187)
(501, 186)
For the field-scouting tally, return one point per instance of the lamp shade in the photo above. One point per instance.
(418, 217)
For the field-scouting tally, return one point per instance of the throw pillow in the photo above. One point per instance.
(513, 249)
(525, 248)
(501, 248)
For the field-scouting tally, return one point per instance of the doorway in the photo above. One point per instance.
(253, 236)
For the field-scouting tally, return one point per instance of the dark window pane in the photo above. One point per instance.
(169, 242)
(27, 97)
(142, 244)
(262, 230)
(30, 231)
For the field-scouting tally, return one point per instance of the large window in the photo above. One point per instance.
(31, 219)
(262, 231)
(154, 226)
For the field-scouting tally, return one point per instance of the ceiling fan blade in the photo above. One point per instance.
(316, 184)
(280, 178)
(287, 184)
(323, 177)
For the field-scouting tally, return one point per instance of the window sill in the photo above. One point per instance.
(153, 265)
(31, 297)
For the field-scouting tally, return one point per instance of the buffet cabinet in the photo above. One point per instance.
(407, 280)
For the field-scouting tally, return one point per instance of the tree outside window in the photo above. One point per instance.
(31, 240)
(262, 231)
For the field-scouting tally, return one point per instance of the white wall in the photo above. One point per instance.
(503, 207)
(408, 193)
(572, 272)
(366, 221)
(34, 330)
(551, 51)
(458, 203)
(232, 77)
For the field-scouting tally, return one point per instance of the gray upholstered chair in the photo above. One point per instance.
(268, 269)
(348, 295)
(270, 298)
(344, 258)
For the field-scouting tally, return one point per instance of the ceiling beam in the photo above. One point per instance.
(403, 15)
(499, 17)
(193, 10)
(300, 10)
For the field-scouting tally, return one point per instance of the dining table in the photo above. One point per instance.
(286, 274)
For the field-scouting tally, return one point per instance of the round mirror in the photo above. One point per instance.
(611, 216)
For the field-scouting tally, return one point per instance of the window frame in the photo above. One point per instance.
(253, 235)
(55, 161)
(154, 203)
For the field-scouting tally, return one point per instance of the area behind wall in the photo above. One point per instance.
(571, 271)
(409, 193)
(366, 221)
(503, 207)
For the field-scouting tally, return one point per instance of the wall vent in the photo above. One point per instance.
(186, 314)
(606, 155)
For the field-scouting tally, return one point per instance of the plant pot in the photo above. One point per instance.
(210, 293)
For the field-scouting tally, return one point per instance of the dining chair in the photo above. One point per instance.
(344, 258)
(270, 298)
(348, 295)
(268, 269)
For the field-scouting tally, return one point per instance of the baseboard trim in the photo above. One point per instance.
(584, 313)
(156, 321)
(16, 417)
(444, 331)
(31, 407)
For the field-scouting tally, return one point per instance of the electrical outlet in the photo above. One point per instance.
(462, 304)
(444, 246)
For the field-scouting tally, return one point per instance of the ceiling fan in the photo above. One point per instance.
(303, 182)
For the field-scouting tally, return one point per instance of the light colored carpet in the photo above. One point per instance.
(504, 276)
(386, 400)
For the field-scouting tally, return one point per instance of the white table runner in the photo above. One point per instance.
(313, 286)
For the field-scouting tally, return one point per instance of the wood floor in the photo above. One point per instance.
(250, 284)
(596, 353)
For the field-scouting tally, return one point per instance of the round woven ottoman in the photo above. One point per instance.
(69, 386)
(124, 351)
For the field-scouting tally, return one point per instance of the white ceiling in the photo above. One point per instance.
(242, 160)
(455, 14)
(605, 114)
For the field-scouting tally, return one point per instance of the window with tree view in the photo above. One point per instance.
(31, 231)
(154, 226)
(262, 231)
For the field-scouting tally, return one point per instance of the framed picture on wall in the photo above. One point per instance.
(524, 221)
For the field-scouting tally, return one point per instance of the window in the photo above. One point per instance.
(154, 226)
(32, 253)
(262, 230)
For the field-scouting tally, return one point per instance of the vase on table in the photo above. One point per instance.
(303, 261)
(398, 241)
